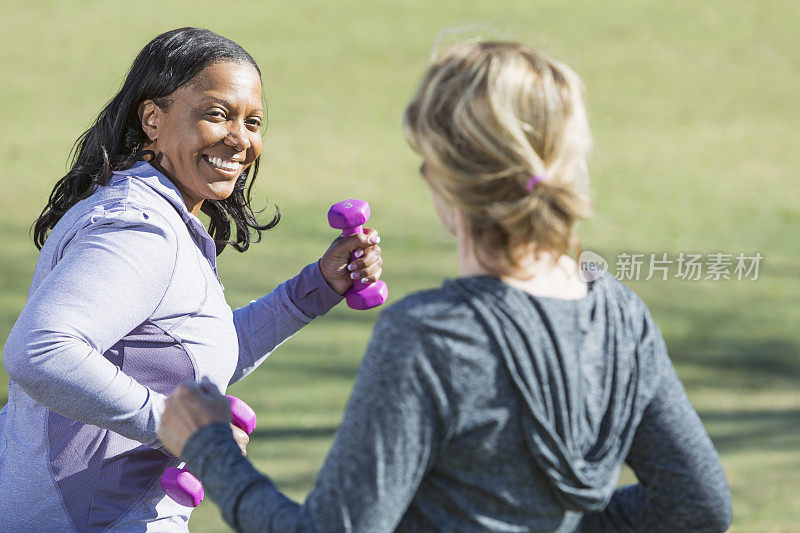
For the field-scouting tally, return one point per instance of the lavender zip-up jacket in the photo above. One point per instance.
(125, 304)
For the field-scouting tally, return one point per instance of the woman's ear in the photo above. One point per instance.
(149, 114)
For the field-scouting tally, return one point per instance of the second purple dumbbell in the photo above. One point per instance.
(180, 484)
(350, 217)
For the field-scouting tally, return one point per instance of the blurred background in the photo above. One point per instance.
(694, 112)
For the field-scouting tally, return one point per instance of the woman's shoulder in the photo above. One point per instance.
(144, 191)
(129, 196)
(124, 202)
(428, 305)
(438, 315)
(113, 223)
(103, 212)
(630, 305)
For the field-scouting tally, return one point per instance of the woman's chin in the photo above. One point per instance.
(219, 193)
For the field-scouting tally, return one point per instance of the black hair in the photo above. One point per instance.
(114, 142)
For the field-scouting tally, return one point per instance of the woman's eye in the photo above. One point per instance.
(215, 113)
(254, 122)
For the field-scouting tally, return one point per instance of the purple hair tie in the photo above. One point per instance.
(534, 180)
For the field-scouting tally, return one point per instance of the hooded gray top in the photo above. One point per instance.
(479, 407)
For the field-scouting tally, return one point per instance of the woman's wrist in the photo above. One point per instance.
(204, 443)
(311, 293)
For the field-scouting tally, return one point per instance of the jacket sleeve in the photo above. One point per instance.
(392, 430)
(682, 486)
(267, 322)
(111, 277)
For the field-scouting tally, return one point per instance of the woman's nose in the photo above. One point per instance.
(237, 136)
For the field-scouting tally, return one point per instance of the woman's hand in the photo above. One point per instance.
(191, 407)
(339, 271)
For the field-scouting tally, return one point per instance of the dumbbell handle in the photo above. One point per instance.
(349, 216)
(357, 285)
(183, 487)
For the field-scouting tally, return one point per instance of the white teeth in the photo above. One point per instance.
(223, 164)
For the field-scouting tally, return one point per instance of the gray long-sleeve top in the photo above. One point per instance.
(479, 407)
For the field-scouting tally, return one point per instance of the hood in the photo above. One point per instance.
(574, 366)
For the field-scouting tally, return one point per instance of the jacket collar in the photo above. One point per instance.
(150, 176)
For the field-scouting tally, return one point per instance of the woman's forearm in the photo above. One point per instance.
(247, 499)
(267, 322)
(384, 446)
(100, 289)
(682, 486)
(76, 381)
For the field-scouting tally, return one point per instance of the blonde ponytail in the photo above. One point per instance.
(486, 118)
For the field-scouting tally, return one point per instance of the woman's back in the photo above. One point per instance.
(528, 383)
(515, 408)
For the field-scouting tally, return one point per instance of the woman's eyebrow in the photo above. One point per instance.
(225, 103)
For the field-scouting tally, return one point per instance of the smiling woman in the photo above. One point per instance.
(126, 303)
(164, 70)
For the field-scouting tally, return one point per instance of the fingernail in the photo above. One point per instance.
(358, 253)
(365, 281)
(374, 239)
(354, 275)
(351, 266)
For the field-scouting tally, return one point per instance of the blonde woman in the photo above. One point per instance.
(508, 398)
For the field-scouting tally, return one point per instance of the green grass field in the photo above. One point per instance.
(694, 111)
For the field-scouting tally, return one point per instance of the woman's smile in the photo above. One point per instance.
(227, 167)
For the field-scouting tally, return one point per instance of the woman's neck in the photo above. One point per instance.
(547, 277)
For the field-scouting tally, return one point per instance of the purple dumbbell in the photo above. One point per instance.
(350, 216)
(180, 484)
